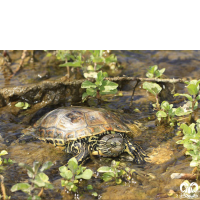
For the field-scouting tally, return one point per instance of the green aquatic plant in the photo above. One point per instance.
(38, 179)
(2, 153)
(23, 105)
(3, 162)
(192, 97)
(91, 190)
(72, 58)
(191, 141)
(153, 72)
(84, 58)
(100, 87)
(167, 113)
(72, 173)
(154, 89)
(115, 172)
(166, 110)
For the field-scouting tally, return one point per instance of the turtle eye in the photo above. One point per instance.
(113, 144)
(75, 151)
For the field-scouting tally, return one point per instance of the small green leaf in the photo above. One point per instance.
(91, 92)
(73, 165)
(88, 84)
(110, 59)
(194, 163)
(107, 86)
(154, 105)
(165, 105)
(3, 152)
(89, 187)
(25, 187)
(87, 174)
(43, 177)
(38, 182)
(105, 74)
(181, 111)
(193, 89)
(161, 114)
(159, 119)
(108, 176)
(26, 105)
(98, 59)
(94, 194)
(153, 88)
(72, 64)
(46, 166)
(98, 67)
(118, 181)
(99, 79)
(5, 161)
(36, 166)
(162, 71)
(19, 104)
(122, 172)
(84, 96)
(64, 183)
(108, 92)
(180, 142)
(151, 71)
(149, 75)
(63, 168)
(105, 169)
(75, 181)
(186, 129)
(90, 75)
(74, 188)
(198, 97)
(196, 105)
(185, 95)
(49, 55)
(67, 174)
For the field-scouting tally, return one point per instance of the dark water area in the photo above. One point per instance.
(151, 180)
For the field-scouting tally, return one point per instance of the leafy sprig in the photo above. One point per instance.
(100, 87)
(38, 179)
(72, 173)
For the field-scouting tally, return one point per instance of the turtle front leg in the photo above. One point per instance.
(135, 151)
(79, 151)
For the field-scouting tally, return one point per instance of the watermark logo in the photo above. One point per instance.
(188, 190)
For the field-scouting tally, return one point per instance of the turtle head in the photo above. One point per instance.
(111, 145)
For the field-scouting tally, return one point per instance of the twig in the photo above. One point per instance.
(158, 80)
(6, 63)
(183, 176)
(6, 56)
(41, 191)
(21, 62)
(132, 97)
(3, 187)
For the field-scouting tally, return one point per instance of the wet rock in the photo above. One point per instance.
(124, 192)
(43, 75)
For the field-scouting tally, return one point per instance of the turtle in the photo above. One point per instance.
(85, 131)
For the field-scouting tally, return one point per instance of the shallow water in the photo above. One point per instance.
(151, 180)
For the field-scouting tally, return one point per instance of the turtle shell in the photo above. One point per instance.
(65, 124)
